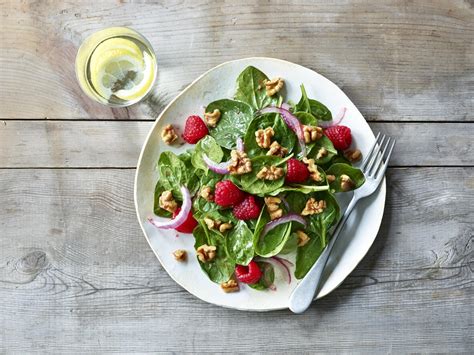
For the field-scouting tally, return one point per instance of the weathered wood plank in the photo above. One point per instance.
(76, 275)
(397, 60)
(117, 144)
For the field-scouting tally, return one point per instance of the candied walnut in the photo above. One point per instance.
(167, 202)
(270, 173)
(264, 137)
(331, 178)
(303, 238)
(273, 86)
(273, 207)
(230, 286)
(180, 255)
(313, 207)
(212, 117)
(353, 155)
(346, 183)
(312, 133)
(240, 163)
(206, 193)
(211, 224)
(322, 152)
(277, 150)
(313, 169)
(224, 227)
(206, 253)
(168, 134)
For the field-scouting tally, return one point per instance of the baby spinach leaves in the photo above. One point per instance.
(175, 171)
(316, 108)
(207, 146)
(339, 169)
(221, 268)
(252, 184)
(317, 230)
(274, 241)
(234, 121)
(251, 89)
(282, 134)
(314, 148)
(239, 244)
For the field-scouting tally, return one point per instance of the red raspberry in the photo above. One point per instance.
(340, 136)
(188, 225)
(227, 194)
(296, 171)
(194, 129)
(248, 274)
(247, 209)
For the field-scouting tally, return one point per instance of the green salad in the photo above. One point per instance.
(257, 183)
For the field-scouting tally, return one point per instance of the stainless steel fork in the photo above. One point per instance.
(373, 167)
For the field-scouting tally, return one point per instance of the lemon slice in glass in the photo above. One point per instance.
(119, 68)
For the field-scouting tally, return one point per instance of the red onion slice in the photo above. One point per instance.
(285, 266)
(290, 217)
(218, 168)
(240, 144)
(291, 121)
(180, 217)
(285, 106)
(336, 120)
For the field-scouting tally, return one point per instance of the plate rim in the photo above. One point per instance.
(145, 143)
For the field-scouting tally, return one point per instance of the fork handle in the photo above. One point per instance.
(304, 293)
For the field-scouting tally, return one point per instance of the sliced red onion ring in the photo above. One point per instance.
(180, 217)
(285, 202)
(285, 106)
(285, 266)
(336, 120)
(218, 168)
(240, 144)
(291, 121)
(287, 262)
(290, 217)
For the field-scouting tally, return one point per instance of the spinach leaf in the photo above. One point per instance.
(314, 147)
(306, 189)
(292, 242)
(268, 276)
(176, 171)
(316, 108)
(207, 146)
(251, 89)
(202, 206)
(339, 169)
(250, 183)
(274, 241)
(221, 268)
(317, 229)
(239, 244)
(234, 121)
(283, 134)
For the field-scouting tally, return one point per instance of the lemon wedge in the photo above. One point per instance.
(118, 67)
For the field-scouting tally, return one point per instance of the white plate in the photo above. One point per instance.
(219, 82)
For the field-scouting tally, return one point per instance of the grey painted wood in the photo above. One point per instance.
(76, 275)
(117, 144)
(397, 60)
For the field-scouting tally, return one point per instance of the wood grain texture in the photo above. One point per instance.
(397, 60)
(117, 144)
(77, 276)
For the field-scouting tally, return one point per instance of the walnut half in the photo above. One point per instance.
(206, 193)
(230, 286)
(264, 137)
(353, 155)
(303, 238)
(273, 207)
(346, 183)
(168, 134)
(240, 163)
(312, 133)
(212, 117)
(313, 207)
(167, 202)
(313, 169)
(206, 253)
(277, 150)
(270, 173)
(273, 86)
(180, 255)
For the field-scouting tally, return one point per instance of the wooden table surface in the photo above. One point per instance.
(76, 273)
